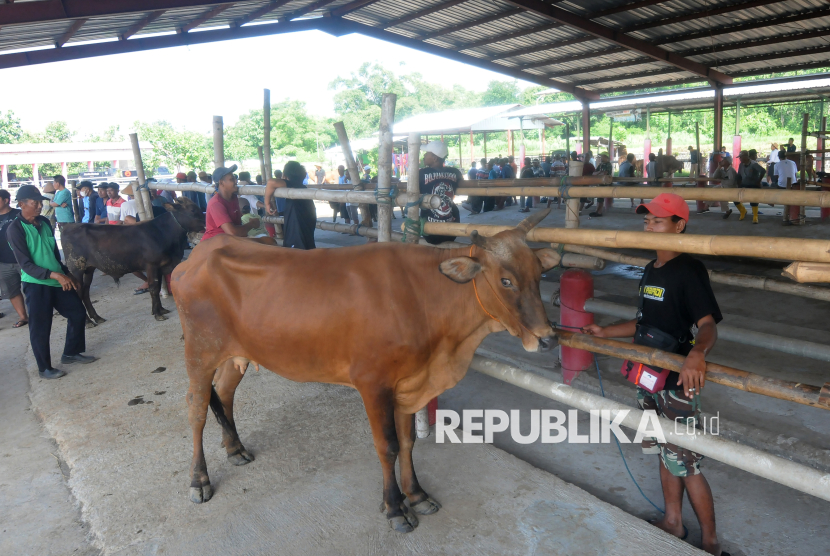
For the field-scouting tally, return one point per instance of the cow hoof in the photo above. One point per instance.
(161, 317)
(100, 320)
(90, 324)
(405, 523)
(200, 494)
(426, 507)
(242, 457)
(164, 311)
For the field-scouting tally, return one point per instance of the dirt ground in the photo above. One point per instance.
(97, 462)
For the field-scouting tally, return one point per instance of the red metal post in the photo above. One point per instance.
(575, 288)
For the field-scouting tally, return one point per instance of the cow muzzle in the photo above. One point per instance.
(545, 344)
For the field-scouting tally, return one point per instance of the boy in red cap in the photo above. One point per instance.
(676, 304)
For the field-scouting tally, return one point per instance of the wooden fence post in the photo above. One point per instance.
(142, 195)
(385, 206)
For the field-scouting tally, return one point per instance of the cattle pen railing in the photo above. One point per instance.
(758, 462)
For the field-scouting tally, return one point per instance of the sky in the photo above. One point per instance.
(187, 86)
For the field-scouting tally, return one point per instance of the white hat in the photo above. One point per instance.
(438, 148)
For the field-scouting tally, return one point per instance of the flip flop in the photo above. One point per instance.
(20, 324)
(140, 291)
(2, 315)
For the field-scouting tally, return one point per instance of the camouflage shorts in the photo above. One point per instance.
(672, 405)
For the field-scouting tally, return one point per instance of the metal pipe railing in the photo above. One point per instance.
(751, 460)
(726, 332)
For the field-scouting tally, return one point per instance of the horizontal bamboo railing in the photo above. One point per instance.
(787, 249)
(797, 392)
(739, 195)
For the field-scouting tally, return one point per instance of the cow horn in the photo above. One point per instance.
(478, 239)
(532, 221)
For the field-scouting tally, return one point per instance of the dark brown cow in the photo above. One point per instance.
(154, 247)
(431, 310)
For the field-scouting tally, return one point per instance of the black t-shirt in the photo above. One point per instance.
(6, 255)
(442, 182)
(675, 297)
(527, 172)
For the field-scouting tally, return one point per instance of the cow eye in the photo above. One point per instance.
(506, 283)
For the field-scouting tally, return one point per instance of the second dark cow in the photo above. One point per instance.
(154, 247)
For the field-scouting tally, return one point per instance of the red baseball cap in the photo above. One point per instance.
(181, 176)
(666, 204)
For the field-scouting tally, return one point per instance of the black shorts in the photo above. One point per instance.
(9, 280)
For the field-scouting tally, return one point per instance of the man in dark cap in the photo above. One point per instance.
(47, 284)
(195, 196)
(223, 213)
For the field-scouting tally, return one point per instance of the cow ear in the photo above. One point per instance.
(460, 269)
(548, 257)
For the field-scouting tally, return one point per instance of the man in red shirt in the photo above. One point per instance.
(223, 215)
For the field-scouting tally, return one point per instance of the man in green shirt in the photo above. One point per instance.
(62, 202)
(47, 284)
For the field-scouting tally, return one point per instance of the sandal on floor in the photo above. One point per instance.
(20, 324)
(2, 315)
(594, 214)
(141, 291)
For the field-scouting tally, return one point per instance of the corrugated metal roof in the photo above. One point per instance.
(566, 44)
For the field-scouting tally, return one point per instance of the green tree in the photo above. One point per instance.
(10, 129)
(501, 92)
(358, 97)
(179, 150)
(294, 133)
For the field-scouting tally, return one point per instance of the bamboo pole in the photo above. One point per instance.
(740, 195)
(387, 121)
(142, 196)
(788, 249)
(763, 464)
(807, 272)
(367, 197)
(218, 142)
(717, 276)
(354, 171)
(699, 154)
(802, 212)
(797, 392)
(265, 176)
(266, 135)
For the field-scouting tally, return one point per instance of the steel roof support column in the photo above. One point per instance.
(586, 129)
(736, 140)
(718, 135)
(668, 139)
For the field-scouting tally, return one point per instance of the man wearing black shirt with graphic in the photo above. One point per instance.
(676, 297)
(435, 179)
(9, 269)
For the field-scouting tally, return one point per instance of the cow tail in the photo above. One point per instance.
(218, 410)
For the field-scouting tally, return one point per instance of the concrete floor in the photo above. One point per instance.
(126, 465)
(313, 489)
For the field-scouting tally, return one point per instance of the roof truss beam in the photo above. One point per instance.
(618, 37)
(656, 85)
(780, 69)
(624, 77)
(76, 25)
(604, 67)
(422, 13)
(307, 10)
(20, 13)
(755, 42)
(351, 7)
(140, 25)
(204, 18)
(342, 26)
(507, 36)
(256, 14)
(542, 47)
(575, 58)
(469, 24)
(627, 8)
(750, 25)
(774, 56)
(696, 15)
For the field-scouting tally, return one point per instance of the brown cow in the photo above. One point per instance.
(432, 309)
